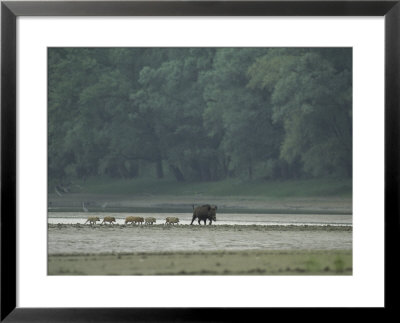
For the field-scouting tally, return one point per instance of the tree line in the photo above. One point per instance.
(200, 114)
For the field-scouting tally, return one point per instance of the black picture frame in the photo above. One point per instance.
(10, 10)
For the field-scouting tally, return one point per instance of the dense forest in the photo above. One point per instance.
(199, 114)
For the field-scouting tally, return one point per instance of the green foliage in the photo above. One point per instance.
(312, 99)
(339, 264)
(199, 114)
(239, 116)
(312, 265)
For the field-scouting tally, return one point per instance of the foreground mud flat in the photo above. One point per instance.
(117, 238)
(184, 227)
(245, 262)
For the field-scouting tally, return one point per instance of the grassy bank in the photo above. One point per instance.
(251, 262)
(231, 196)
(272, 189)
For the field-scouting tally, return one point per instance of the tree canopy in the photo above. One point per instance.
(200, 114)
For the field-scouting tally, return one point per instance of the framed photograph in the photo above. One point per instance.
(187, 160)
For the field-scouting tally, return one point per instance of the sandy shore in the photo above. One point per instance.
(251, 262)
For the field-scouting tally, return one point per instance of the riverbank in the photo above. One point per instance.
(324, 196)
(184, 204)
(249, 262)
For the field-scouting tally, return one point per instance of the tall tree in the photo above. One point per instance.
(238, 115)
(171, 98)
(312, 96)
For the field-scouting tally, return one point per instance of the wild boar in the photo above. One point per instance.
(204, 212)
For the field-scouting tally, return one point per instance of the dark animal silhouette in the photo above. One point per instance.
(204, 212)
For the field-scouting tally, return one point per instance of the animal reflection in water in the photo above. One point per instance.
(204, 212)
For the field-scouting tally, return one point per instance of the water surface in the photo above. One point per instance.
(222, 219)
(230, 232)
